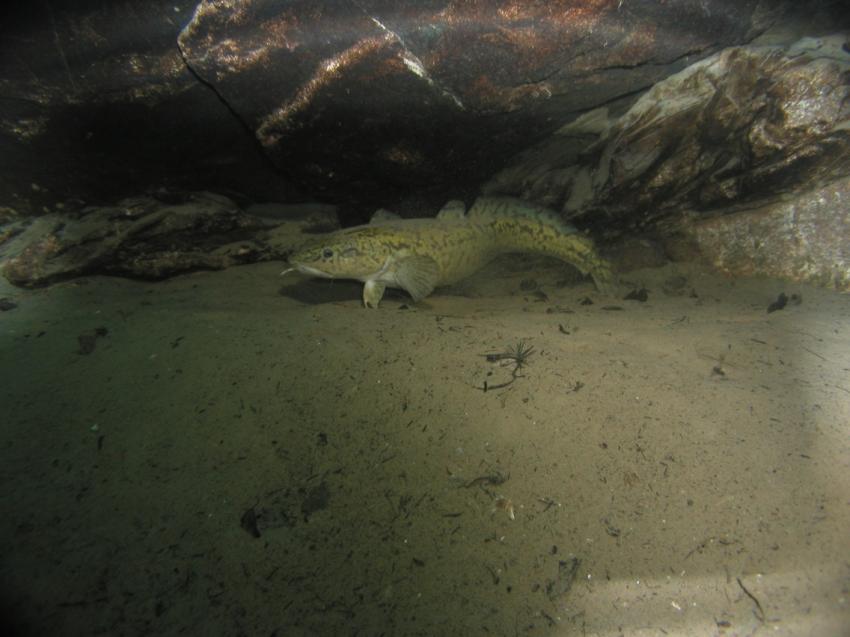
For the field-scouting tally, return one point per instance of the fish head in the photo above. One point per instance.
(340, 255)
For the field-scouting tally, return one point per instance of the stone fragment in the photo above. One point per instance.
(148, 238)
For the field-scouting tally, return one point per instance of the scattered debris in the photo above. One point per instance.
(549, 502)
(87, 343)
(248, 521)
(7, 304)
(316, 499)
(504, 504)
(516, 356)
(708, 542)
(88, 340)
(612, 308)
(272, 515)
(586, 301)
(783, 300)
(641, 295)
(778, 304)
(495, 478)
(610, 529)
(561, 585)
(758, 611)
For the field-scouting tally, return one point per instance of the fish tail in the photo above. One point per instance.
(521, 226)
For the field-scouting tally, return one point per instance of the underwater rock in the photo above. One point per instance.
(148, 238)
(98, 105)
(369, 104)
(802, 238)
(362, 102)
(748, 124)
(370, 100)
(743, 130)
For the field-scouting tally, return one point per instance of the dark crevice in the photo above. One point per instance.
(241, 120)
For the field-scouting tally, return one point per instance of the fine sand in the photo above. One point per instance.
(672, 466)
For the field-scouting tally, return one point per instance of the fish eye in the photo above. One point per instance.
(327, 253)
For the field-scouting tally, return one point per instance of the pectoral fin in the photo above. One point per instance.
(417, 275)
(373, 292)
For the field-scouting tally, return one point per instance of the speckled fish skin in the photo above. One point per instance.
(418, 255)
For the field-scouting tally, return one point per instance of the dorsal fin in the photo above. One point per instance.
(382, 214)
(511, 207)
(454, 209)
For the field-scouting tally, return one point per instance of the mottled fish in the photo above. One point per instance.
(418, 255)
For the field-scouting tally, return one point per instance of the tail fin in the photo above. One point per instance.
(521, 226)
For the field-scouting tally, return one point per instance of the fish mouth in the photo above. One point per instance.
(308, 270)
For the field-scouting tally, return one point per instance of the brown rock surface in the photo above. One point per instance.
(804, 238)
(148, 238)
(748, 129)
(377, 97)
(372, 103)
(363, 102)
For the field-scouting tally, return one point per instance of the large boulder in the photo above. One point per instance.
(805, 237)
(740, 152)
(647, 124)
(365, 103)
